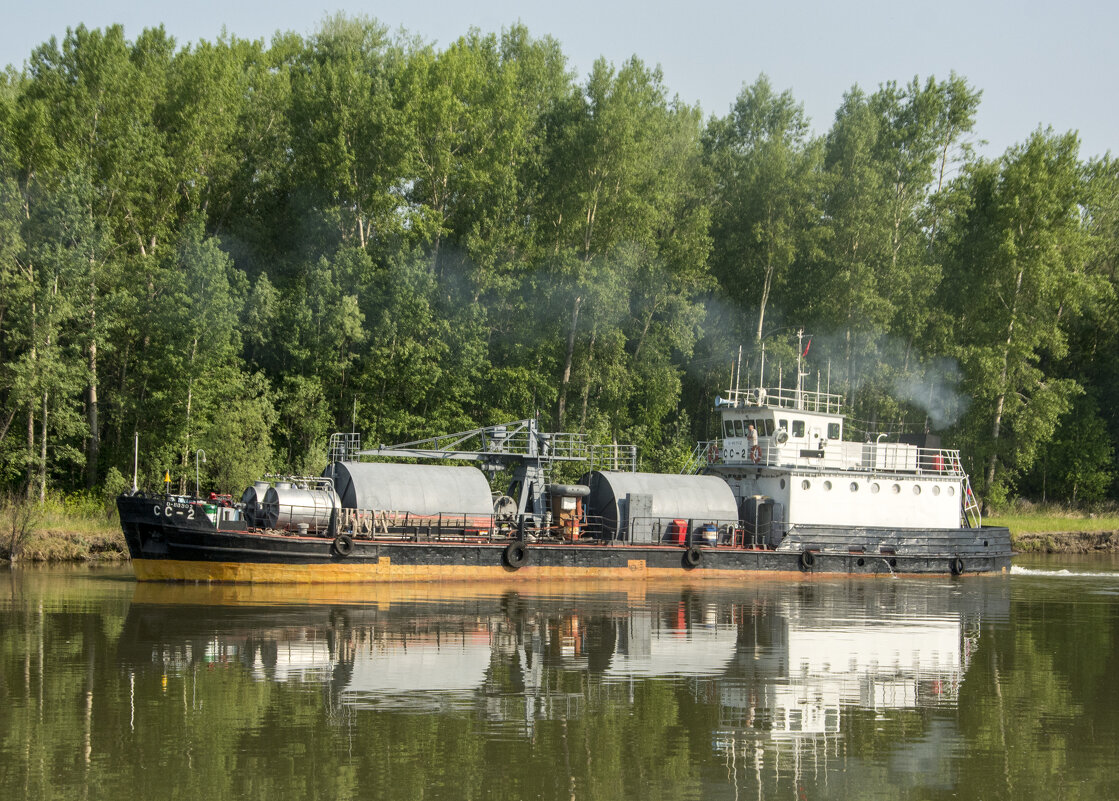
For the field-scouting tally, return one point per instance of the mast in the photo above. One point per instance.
(800, 353)
(738, 374)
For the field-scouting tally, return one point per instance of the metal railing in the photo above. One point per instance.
(867, 457)
(785, 398)
(617, 458)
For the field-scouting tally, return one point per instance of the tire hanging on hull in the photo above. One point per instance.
(515, 555)
(343, 545)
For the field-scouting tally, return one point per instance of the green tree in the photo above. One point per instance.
(766, 171)
(1016, 274)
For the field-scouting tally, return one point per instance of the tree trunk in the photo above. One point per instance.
(587, 385)
(767, 282)
(30, 452)
(94, 433)
(190, 398)
(1000, 402)
(43, 454)
(561, 404)
(7, 425)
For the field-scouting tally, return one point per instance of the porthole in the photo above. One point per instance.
(806, 484)
(782, 483)
(951, 491)
(827, 486)
(861, 562)
(896, 489)
(874, 488)
(916, 489)
(936, 489)
(854, 486)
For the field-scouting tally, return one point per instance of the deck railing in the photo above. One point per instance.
(785, 398)
(866, 457)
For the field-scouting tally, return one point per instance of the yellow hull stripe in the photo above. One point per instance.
(385, 571)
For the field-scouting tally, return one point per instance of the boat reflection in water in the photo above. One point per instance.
(779, 661)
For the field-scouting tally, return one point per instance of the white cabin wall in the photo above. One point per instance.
(828, 499)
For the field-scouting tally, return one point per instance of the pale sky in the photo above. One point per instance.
(1038, 63)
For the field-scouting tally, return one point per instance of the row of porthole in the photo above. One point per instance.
(875, 488)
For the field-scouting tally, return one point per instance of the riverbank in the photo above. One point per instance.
(50, 545)
(1058, 531)
(1066, 541)
(72, 529)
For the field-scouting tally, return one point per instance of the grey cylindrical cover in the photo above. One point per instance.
(422, 489)
(699, 499)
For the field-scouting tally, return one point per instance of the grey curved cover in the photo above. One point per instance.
(422, 489)
(699, 499)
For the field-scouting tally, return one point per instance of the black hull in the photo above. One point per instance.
(168, 542)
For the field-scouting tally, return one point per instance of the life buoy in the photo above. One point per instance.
(693, 556)
(343, 545)
(956, 566)
(515, 554)
(807, 560)
(756, 453)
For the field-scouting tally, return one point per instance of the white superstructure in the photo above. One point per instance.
(814, 477)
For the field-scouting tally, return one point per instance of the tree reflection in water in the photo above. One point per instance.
(840, 688)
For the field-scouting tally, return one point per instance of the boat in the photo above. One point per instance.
(781, 490)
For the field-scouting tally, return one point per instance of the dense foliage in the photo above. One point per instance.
(240, 248)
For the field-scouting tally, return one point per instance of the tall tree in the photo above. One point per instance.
(1017, 272)
(766, 167)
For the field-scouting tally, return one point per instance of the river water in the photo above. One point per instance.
(1003, 687)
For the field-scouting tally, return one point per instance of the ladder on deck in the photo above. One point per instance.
(703, 454)
(973, 516)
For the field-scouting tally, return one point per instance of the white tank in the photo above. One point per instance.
(287, 507)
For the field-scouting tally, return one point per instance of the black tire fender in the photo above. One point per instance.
(515, 554)
(807, 560)
(693, 556)
(956, 566)
(343, 545)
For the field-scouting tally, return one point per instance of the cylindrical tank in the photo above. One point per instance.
(421, 489)
(252, 498)
(288, 507)
(757, 518)
(701, 500)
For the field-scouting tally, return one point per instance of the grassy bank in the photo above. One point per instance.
(1055, 529)
(75, 528)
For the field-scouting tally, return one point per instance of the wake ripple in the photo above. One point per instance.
(1016, 570)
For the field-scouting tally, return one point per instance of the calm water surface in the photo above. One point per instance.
(982, 688)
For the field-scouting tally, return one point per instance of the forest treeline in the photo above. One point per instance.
(242, 247)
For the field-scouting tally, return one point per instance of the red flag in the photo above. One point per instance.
(806, 347)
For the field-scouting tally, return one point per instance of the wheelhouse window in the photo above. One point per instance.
(798, 428)
(739, 428)
(783, 424)
(833, 430)
(728, 428)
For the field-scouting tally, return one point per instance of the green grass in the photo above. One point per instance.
(72, 528)
(1042, 523)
